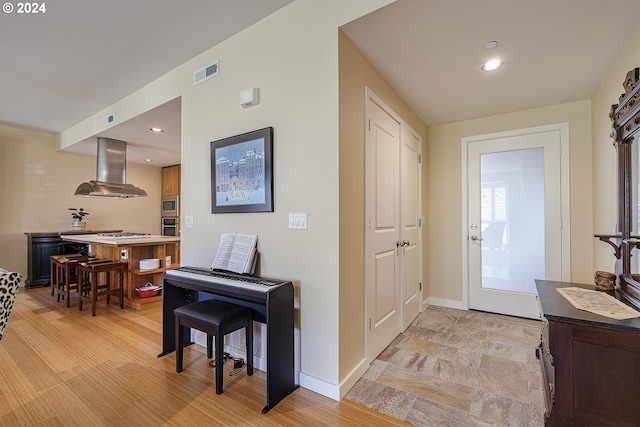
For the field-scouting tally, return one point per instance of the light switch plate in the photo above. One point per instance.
(298, 221)
(188, 221)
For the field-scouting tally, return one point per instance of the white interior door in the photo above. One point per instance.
(410, 214)
(382, 205)
(514, 225)
(392, 235)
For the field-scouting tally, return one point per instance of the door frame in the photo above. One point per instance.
(563, 130)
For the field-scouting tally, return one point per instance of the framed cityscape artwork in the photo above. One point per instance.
(242, 173)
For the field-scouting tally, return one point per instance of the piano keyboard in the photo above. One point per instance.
(252, 283)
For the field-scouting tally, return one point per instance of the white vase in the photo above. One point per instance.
(78, 226)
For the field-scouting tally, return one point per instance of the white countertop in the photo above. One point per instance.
(120, 241)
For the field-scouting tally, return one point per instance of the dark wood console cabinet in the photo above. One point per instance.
(41, 246)
(590, 363)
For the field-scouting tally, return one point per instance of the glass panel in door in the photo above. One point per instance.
(512, 219)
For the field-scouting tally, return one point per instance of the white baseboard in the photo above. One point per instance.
(331, 391)
(353, 377)
(447, 303)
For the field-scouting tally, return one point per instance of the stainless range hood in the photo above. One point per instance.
(111, 173)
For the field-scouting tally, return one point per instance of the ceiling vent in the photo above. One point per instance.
(207, 72)
(108, 120)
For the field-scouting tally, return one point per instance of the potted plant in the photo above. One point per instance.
(78, 219)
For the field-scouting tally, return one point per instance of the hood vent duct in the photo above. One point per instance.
(111, 173)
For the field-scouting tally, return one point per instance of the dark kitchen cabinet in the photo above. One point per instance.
(40, 248)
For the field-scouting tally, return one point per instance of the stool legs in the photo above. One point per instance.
(217, 332)
(58, 286)
(85, 288)
(62, 283)
(220, 351)
(88, 278)
(61, 279)
(65, 276)
(210, 346)
(219, 362)
(64, 269)
(53, 272)
(93, 282)
(249, 346)
(179, 345)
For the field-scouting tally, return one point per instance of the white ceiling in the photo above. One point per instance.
(554, 51)
(60, 67)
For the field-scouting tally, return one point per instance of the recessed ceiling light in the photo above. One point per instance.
(148, 160)
(490, 45)
(158, 130)
(494, 64)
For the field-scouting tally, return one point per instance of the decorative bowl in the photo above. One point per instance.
(604, 280)
(149, 264)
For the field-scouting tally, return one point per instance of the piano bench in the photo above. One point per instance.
(216, 319)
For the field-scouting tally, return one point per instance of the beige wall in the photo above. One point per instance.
(592, 175)
(355, 74)
(604, 165)
(38, 184)
(444, 189)
(292, 56)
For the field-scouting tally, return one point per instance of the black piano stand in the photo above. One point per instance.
(275, 309)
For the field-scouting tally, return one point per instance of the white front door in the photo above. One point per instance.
(514, 226)
(392, 234)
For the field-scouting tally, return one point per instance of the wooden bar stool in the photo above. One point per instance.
(64, 274)
(216, 319)
(94, 280)
(53, 273)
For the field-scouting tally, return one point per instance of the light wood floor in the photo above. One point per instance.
(63, 367)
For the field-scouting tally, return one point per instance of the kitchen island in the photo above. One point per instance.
(131, 248)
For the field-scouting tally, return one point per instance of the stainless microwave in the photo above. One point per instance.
(170, 206)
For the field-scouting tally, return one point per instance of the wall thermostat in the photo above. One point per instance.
(250, 97)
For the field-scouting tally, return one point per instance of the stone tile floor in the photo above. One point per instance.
(458, 368)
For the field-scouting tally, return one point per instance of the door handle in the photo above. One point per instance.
(475, 238)
(403, 243)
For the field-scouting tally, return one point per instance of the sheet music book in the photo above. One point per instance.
(236, 252)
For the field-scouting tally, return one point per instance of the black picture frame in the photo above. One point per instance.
(242, 173)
